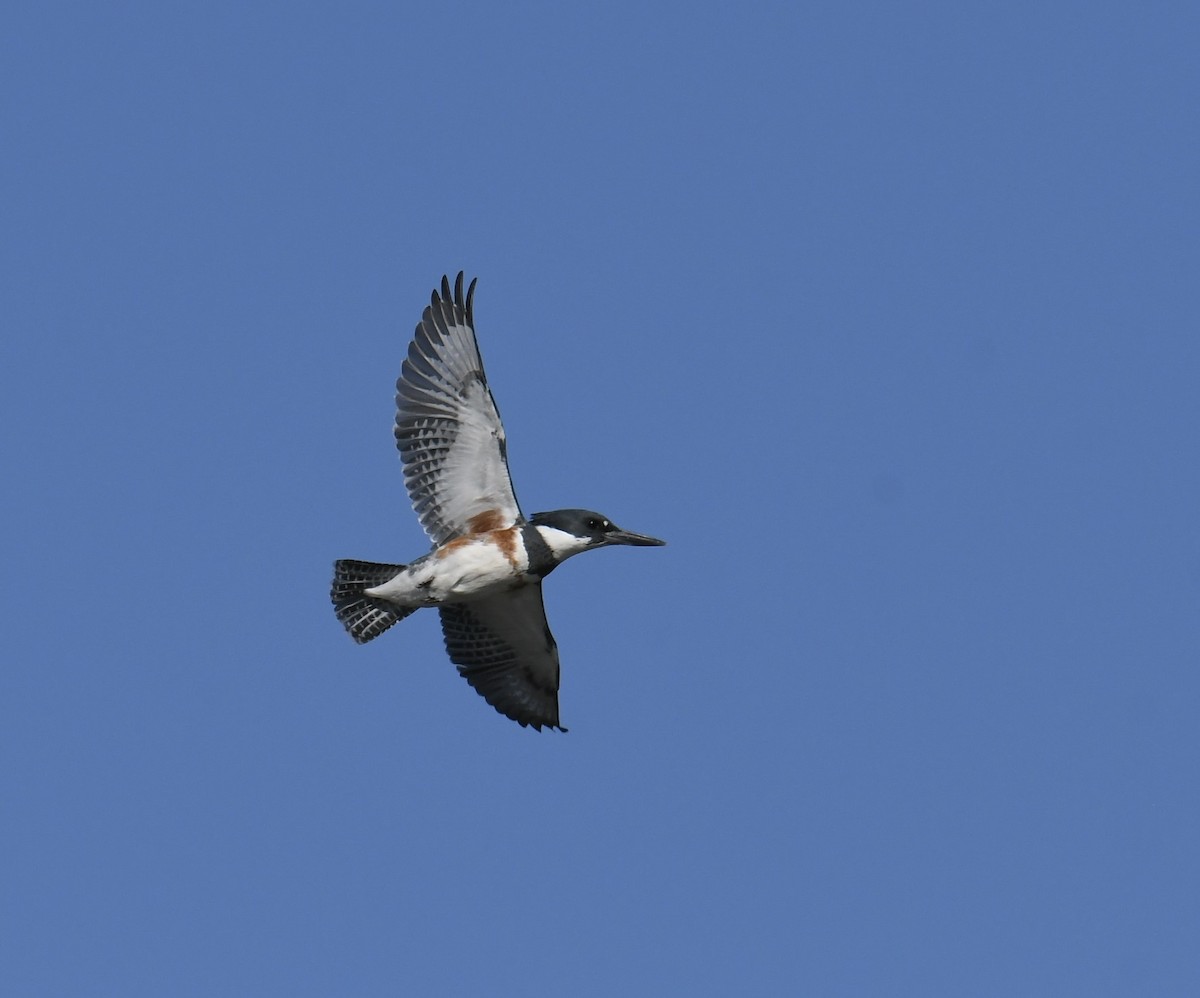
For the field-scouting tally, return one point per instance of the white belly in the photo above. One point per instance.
(454, 574)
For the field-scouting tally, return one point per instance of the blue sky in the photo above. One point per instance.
(884, 316)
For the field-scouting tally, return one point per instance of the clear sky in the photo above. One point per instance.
(885, 316)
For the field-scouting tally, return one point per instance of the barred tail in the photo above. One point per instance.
(364, 617)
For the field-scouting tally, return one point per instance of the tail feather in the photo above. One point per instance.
(364, 617)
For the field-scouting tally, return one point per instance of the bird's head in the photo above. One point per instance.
(570, 531)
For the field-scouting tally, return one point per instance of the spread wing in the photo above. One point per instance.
(503, 647)
(448, 431)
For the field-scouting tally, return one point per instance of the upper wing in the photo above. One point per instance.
(502, 645)
(448, 431)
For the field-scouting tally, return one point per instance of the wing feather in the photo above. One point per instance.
(448, 430)
(503, 647)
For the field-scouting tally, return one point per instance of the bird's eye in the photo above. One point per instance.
(594, 524)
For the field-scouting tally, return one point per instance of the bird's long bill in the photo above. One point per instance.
(619, 536)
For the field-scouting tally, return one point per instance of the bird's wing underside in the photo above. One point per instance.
(448, 431)
(503, 647)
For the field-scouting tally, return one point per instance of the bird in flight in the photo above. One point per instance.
(484, 573)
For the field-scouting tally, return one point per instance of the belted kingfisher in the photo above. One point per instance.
(485, 571)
